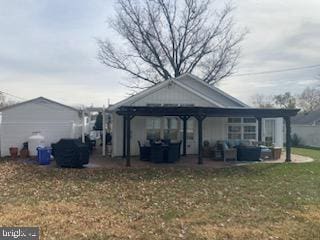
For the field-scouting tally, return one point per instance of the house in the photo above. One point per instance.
(307, 127)
(51, 119)
(187, 109)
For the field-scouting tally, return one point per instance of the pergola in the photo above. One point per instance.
(200, 113)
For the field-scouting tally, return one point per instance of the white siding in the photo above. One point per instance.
(172, 94)
(138, 133)
(51, 120)
(214, 129)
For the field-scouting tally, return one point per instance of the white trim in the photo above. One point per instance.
(34, 100)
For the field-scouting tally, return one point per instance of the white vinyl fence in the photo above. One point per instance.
(310, 135)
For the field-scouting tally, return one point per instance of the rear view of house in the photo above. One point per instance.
(172, 109)
(51, 119)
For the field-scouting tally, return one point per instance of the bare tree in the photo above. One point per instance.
(162, 39)
(2, 100)
(309, 99)
(285, 100)
(262, 101)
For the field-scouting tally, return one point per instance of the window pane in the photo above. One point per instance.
(234, 120)
(249, 120)
(249, 129)
(234, 129)
(234, 136)
(249, 136)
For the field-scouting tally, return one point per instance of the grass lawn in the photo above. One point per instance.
(258, 201)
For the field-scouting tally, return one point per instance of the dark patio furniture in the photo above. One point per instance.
(248, 153)
(144, 152)
(157, 152)
(173, 152)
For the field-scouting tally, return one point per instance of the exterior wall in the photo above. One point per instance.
(310, 135)
(214, 129)
(138, 133)
(51, 120)
(172, 94)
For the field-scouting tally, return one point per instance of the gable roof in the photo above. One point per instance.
(311, 118)
(192, 84)
(36, 100)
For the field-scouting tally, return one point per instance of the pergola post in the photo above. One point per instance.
(128, 133)
(288, 139)
(124, 137)
(200, 119)
(103, 131)
(184, 140)
(259, 129)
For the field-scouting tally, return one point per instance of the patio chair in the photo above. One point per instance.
(173, 152)
(144, 152)
(157, 153)
(229, 153)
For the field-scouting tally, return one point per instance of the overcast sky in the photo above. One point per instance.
(48, 48)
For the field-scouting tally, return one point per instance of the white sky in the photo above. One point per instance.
(48, 48)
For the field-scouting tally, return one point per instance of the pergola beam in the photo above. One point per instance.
(208, 111)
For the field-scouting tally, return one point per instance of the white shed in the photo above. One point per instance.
(51, 119)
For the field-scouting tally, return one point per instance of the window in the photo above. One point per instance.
(234, 120)
(153, 128)
(234, 132)
(249, 132)
(242, 128)
(170, 128)
(249, 120)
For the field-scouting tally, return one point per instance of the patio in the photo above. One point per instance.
(201, 113)
(189, 161)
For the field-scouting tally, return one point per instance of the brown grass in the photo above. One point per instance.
(260, 201)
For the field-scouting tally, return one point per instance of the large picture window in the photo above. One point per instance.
(242, 128)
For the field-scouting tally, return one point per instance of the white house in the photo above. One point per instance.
(51, 119)
(190, 92)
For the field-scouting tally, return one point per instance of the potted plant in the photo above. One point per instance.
(13, 152)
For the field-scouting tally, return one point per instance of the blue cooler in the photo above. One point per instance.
(44, 154)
